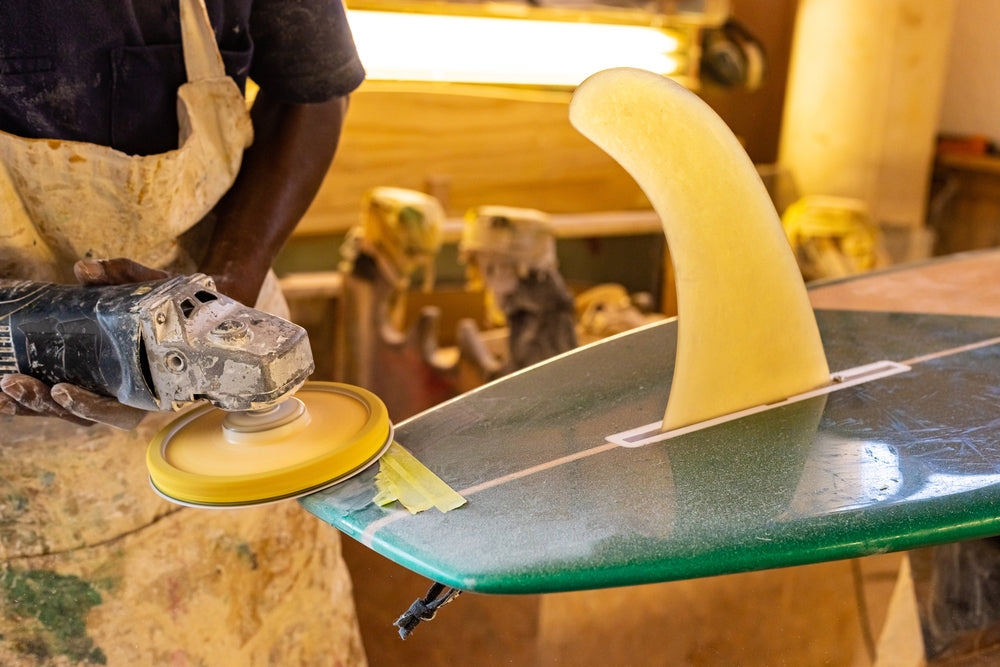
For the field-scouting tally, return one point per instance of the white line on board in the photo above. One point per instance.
(951, 351)
(370, 529)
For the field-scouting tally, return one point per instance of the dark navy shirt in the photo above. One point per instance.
(107, 71)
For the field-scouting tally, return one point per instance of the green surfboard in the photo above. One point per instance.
(571, 485)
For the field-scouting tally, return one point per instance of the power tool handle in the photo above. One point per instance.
(67, 333)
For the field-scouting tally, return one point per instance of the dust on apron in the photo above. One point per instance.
(64, 200)
(140, 581)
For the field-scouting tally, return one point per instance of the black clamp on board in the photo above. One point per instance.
(425, 608)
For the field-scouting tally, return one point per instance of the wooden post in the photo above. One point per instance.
(861, 111)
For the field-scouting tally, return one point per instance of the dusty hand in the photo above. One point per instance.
(25, 395)
(114, 272)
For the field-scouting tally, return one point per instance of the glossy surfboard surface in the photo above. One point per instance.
(906, 457)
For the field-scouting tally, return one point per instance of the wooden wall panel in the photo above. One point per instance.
(468, 150)
(478, 145)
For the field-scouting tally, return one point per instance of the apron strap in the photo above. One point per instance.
(201, 53)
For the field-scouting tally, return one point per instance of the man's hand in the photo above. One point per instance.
(24, 395)
(118, 271)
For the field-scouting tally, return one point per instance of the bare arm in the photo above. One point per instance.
(281, 173)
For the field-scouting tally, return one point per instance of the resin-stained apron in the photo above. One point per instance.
(64, 200)
(136, 580)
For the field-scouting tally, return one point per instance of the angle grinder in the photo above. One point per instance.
(250, 428)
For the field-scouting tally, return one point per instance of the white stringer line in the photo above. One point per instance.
(637, 437)
(951, 351)
(538, 468)
(370, 530)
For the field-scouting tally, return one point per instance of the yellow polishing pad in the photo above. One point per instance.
(323, 434)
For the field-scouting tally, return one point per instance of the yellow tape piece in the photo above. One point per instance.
(402, 477)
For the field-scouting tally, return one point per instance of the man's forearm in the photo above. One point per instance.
(281, 173)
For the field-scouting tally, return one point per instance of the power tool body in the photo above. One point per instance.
(155, 345)
(169, 344)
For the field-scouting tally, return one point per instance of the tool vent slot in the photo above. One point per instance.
(205, 296)
(144, 369)
(189, 304)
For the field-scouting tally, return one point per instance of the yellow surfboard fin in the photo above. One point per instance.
(747, 335)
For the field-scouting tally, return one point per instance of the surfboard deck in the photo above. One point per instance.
(903, 461)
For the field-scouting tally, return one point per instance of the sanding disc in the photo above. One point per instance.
(323, 434)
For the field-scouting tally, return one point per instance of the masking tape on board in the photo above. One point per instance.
(402, 477)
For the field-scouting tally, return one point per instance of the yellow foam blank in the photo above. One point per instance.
(402, 477)
(746, 331)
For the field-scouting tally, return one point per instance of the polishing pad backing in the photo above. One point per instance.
(324, 434)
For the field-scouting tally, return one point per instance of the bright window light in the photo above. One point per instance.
(462, 49)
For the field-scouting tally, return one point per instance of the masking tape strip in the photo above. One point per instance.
(402, 477)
